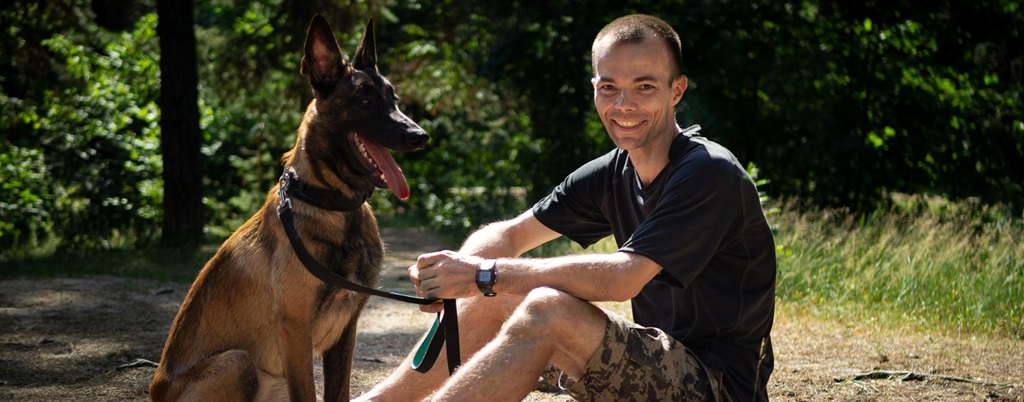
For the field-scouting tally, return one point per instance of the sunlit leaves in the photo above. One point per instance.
(99, 141)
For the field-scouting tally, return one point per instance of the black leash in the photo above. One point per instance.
(445, 328)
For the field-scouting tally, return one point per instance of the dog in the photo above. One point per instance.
(254, 317)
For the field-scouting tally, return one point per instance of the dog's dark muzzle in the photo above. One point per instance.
(414, 138)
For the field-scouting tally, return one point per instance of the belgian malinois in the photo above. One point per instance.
(254, 317)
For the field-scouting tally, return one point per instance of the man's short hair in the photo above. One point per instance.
(637, 28)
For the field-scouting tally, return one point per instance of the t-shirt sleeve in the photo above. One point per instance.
(694, 217)
(574, 208)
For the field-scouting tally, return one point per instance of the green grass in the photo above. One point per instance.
(960, 271)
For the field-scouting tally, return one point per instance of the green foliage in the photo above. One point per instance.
(838, 103)
(431, 61)
(98, 139)
(843, 103)
(23, 193)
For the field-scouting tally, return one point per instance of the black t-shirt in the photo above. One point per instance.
(701, 220)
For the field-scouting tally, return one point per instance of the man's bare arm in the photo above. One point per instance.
(509, 238)
(617, 276)
(614, 276)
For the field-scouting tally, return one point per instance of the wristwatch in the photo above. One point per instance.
(486, 276)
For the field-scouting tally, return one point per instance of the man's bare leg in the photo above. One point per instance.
(480, 319)
(549, 326)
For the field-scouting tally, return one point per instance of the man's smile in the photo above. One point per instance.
(628, 123)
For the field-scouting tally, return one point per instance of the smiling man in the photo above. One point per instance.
(696, 259)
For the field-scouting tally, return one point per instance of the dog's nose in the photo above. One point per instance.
(419, 139)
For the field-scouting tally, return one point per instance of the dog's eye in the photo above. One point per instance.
(365, 101)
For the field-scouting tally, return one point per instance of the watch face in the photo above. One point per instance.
(485, 276)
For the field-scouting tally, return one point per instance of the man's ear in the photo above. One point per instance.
(678, 88)
(365, 57)
(322, 62)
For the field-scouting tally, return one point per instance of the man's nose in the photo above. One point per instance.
(624, 102)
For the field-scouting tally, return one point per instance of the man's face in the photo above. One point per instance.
(635, 94)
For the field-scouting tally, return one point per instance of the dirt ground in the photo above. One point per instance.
(94, 338)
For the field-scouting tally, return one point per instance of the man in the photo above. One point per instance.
(696, 259)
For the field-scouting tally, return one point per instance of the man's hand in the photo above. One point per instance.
(445, 275)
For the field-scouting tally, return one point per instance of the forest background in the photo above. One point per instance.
(148, 124)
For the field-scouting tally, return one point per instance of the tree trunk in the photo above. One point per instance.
(180, 136)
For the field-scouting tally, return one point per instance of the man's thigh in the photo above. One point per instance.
(635, 363)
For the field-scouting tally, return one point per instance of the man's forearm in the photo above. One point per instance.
(594, 277)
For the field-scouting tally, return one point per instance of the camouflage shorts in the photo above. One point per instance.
(635, 363)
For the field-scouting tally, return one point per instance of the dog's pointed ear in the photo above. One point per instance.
(365, 57)
(322, 62)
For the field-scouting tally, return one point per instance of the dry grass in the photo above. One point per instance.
(962, 272)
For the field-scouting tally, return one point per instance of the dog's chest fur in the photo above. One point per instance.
(356, 253)
(333, 313)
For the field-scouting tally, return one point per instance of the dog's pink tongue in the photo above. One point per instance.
(392, 173)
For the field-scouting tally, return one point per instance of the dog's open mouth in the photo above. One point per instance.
(385, 172)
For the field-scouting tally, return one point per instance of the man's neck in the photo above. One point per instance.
(649, 162)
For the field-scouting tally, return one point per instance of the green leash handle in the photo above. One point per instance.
(445, 328)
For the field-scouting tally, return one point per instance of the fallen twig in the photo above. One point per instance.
(912, 376)
(137, 363)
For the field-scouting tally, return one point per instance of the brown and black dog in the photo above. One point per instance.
(254, 317)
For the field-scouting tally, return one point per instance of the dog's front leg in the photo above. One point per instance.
(297, 353)
(337, 363)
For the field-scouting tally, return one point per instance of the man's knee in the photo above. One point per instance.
(550, 310)
(543, 305)
(569, 327)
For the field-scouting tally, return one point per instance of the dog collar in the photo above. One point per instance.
(319, 197)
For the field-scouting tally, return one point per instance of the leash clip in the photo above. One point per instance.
(282, 191)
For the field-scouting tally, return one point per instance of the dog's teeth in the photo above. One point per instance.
(366, 155)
